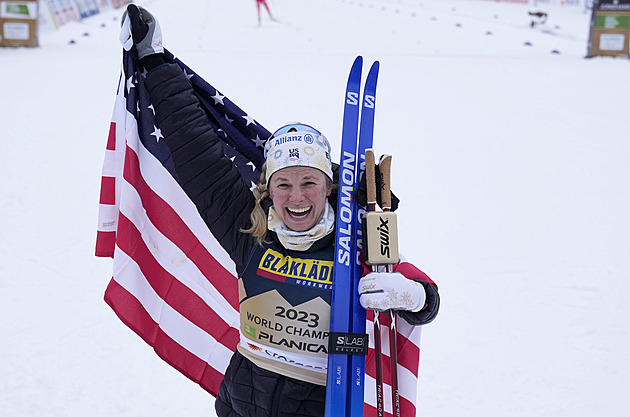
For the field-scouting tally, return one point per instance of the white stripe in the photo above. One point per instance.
(370, 393)
(107, 218)
(181, 330)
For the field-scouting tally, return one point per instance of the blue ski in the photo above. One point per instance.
(337, 375)
(366, 135)
(346, 370)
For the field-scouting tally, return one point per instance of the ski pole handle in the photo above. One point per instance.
(380, 228)
(370, 178)
(385, 168)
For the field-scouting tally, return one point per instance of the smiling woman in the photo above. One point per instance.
(280, 236)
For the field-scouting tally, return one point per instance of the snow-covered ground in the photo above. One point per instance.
(511, 158)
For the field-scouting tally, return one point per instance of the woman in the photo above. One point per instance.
(280, 237)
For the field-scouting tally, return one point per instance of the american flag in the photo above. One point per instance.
(172, 283)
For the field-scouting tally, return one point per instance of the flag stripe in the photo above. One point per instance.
(108, 190)
(105, 241)
(111, 138)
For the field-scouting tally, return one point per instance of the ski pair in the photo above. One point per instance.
(348, 339)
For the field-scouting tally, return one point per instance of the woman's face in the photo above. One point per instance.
(299, 196)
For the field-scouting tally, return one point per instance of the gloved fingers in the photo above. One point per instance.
(125, 32)
(390, 291)
(140, 21)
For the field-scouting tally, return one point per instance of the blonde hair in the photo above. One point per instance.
(258, 217)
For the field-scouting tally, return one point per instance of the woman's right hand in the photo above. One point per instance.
(142, 30)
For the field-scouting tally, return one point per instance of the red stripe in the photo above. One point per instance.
(108, 190)
(132, 313)
(111, 138)
(173, 292)
(169, 223)
(187, 363)
(105, 243)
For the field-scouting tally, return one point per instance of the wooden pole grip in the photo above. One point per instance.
(385, 165)
(370, 176)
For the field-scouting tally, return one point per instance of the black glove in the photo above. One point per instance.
(140, 27)
(361, 194)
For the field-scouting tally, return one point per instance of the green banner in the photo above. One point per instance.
(17, 9)
(612, 21)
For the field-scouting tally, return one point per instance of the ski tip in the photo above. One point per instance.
(358, 61)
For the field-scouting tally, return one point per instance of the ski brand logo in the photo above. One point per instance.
(346, 181)
(352, 98)
(383, 230)
(369, 101)
(348, 343)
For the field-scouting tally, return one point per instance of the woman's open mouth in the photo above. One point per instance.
(299, 213)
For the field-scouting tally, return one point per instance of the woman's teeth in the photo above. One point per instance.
(299, 212)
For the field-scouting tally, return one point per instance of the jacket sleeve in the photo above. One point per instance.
(432, 303)
(209, 178)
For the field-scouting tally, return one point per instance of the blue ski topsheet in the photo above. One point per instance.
(346, 374)
(357, 323)
(337, 375)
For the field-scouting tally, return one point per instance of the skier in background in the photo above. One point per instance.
(287, 219)
(263, 3)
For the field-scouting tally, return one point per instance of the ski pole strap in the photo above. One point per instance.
(348, 343)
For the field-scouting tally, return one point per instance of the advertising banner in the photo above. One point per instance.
(610, 29)
(18, 23)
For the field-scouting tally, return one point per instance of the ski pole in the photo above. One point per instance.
(384, 165)
(370, 181)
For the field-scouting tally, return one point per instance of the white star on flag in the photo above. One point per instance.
(218, 98)
(157, 133)
(130, 84)
(259, 142)
(249, 119)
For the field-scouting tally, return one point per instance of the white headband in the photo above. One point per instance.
(298, 148)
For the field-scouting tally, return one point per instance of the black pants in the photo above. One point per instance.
(250, 391)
